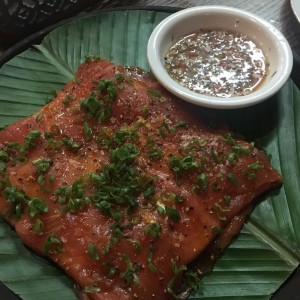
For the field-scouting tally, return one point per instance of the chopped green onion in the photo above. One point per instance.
(232, 178)
(202, 182)
(92, 251)
(154, 229)
(53, 244)
(87, 131)
(37, 206)
(38, 226)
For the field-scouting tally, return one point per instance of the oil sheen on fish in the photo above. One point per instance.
(123, 185)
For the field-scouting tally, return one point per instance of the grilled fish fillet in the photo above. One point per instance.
(123, 185)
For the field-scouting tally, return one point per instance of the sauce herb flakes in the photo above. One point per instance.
(217, 63)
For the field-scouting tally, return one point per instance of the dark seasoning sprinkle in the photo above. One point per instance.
(217, 63)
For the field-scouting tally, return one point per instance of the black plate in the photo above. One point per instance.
(291, 288)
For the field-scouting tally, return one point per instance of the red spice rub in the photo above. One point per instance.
(121, 184)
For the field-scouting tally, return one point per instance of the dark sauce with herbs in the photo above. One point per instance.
(217, 63)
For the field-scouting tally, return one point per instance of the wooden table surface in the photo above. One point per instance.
(277, 12)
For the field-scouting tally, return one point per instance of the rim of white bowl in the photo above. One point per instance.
(158, 70)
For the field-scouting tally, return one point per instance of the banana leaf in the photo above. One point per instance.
(267, 250)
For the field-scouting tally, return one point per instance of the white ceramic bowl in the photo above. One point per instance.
(267, 37)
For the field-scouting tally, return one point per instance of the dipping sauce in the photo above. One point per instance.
(217, 63)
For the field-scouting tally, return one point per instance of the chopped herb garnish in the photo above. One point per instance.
(91, 289)
(216, 229)
(72, 197)
(172, 197)
(92, 251)
(136, 244)
(228, 138)
(4, 156)
(171, 212)
(216, 187)
(156, 154)
(145, 111)
(181, 124)
(179, 165)
(52, 178)
(252, 168)
(236, 147)
(87, 131)
(53, 144)
(71, 144)
(18, 151)
(125, 154)
(154, 151)
(192, 281)
(154, 93)
(120, 76)
(119, 138)
(112, 270)
(231, 177)
(39, 116)
(67, 99)
(53, 244)
(149, 192)
(161, 208)
(150, 253)
(130, 274)
(194, 144)
(232, 158)
(99, 103)
(227, 199)
(41, 180)
(215, 157)
(38, 226)
(164, 129)
(202, 182)
(91, 58)
(239, 149)
(3, 168)
(219, 208)
(178, 198)
(37, 206)
(116, 233)
(42, 167)
(106, 249)
(107, 87)
(91, 104)
(109, 209)
(18, 199)
(256, 165)
(120, 182)
(176, 272)
(30, 139)
(154, 229)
